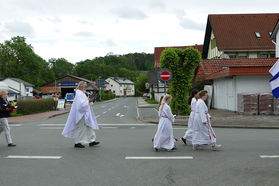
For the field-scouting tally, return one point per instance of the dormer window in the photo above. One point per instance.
(258, 35)
(270, 33)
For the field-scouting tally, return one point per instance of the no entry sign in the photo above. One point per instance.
(164, 75)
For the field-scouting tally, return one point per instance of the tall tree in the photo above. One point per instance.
(182, 63)
(61, 67)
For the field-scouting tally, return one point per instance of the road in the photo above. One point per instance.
(124, 140)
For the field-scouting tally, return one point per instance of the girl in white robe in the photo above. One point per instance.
(187, 138)
(203, 132)
(164, 135)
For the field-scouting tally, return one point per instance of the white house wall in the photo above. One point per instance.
(225, 90)
(276, 46)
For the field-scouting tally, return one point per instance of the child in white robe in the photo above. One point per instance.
(187, 138)
(203, 131)
(164, 135)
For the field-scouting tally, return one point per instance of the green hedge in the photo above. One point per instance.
(31, 106)
(107, 96)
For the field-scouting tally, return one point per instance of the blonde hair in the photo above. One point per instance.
(3, 92)
(164, 100)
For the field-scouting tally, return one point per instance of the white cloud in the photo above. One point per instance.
(129, 13)
(18, 28)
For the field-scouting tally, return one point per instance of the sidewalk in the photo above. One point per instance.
(44, 115)
(36, 117)
(220, 118)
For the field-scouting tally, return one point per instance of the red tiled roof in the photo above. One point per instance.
(216, 68)
(237, 31)
(158, 51)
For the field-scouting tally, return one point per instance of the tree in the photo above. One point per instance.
(61, 67)
(182, 63)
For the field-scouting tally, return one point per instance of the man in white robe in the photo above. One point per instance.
(81, 121)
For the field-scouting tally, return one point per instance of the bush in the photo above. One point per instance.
(31, 106)
(107, 96)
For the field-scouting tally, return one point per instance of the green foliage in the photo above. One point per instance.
(31, 106)
(107, 96)
(151, 101)
(140, 84)
(182, 63)
(61, 67)
(17, 59)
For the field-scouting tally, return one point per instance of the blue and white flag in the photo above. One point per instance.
(274, 82)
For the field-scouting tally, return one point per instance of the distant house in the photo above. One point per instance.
(239, 36)
(18, 89)
(66, 84)
(120, 86)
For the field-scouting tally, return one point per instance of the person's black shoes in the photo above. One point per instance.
(79, 145)
(184, 140)
(11, 145)
(156, 149)
(93, 143)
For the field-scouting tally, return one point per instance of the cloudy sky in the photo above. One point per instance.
(85, 29)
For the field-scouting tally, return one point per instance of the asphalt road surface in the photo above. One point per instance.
(125, 156)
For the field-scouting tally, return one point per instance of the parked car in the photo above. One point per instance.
(146, 95)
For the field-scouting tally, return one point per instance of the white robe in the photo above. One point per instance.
(203, 133)
(164, 135)
(80, 108)
(189, 133)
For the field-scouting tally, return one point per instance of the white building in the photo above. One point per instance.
(120, 86)
(230, 77)
(275, 35)
(18, 89)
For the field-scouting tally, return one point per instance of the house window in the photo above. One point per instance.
(232, 56)
(263, 56)
(270, 33)
(258, 35)
(242, 56)
(111, 85)
(272, 55)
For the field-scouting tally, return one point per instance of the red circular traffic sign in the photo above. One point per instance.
(165, 75)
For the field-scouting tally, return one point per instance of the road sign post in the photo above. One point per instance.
(164, 76)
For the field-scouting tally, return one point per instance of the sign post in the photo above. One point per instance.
(164, 76)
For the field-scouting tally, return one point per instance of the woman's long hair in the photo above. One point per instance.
(164, 100)
(193, 93)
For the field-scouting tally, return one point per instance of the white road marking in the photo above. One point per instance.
(98, 116)
(51, 125)
(159, 158)
(34, 157)
(109, 109)
(155, 109)
(121, 116)
(51, 128)
(269, 156)
(125, 106)
(118, 114)
(104, 112)
(133, 127)
(119, 124)
(109, 127)
(15, 125)
(138, 113)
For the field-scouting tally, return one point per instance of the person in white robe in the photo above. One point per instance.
(203, 133)
(81, 121)
(187, 138)
(164, 135)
